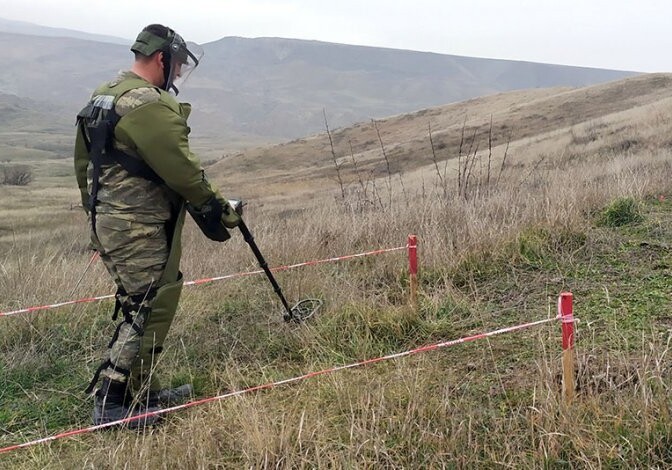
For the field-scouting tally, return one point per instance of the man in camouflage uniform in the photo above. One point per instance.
(136, 174)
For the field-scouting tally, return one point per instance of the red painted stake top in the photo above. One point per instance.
(413, 254)
(565, 310)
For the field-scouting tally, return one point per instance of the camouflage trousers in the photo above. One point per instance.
(143, 264)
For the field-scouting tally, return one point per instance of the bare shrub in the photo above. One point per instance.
(16, 175)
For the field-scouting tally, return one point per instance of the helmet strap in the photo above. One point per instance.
(167, 69)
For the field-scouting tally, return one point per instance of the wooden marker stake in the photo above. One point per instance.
(565, 310)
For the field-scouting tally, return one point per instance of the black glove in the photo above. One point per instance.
(209, 218)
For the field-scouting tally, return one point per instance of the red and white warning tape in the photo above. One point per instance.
(204, 281)
(309, 375)
(298, 265)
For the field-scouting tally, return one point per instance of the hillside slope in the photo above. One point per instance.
(517, 118)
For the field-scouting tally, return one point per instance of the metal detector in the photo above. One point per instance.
(304, 309)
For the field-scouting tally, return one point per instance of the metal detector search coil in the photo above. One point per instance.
(303, 310)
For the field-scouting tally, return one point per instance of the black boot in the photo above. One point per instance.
(113, 403)
(167, 397)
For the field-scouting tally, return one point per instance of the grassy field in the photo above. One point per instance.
(563, 207)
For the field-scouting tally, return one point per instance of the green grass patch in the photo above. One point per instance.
(622, 211)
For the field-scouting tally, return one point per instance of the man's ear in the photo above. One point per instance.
(159, 58)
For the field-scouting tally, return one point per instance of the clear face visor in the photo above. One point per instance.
(184, 58)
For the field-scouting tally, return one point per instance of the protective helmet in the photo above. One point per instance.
(180, 58)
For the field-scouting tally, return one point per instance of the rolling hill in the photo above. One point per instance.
(523, 120)
(251, 91)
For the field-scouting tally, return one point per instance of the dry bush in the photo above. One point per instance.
(16, 175)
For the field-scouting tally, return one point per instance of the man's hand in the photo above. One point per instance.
(232, 213)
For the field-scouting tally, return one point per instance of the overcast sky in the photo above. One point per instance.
(617, 34)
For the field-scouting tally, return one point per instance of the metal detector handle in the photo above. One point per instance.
(249, 239)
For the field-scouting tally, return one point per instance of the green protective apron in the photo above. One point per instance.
(161, 314)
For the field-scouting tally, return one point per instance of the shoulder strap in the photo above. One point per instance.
(96, 122)
(134, 166)
(119, 88)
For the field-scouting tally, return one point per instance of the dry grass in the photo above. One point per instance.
(495, 255)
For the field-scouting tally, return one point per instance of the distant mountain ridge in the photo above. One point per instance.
(250, 91)
(22, 27)
(353, 83)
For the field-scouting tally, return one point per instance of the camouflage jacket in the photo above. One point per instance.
(153, 127)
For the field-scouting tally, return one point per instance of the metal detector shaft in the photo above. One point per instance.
(249, 239)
